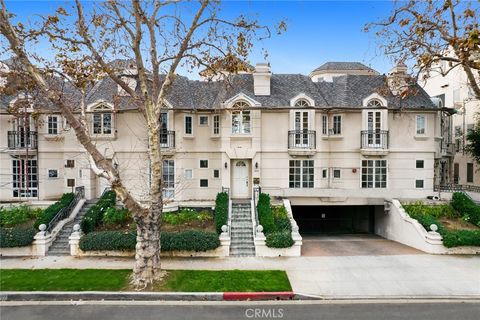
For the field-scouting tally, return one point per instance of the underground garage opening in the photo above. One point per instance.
(335, 219)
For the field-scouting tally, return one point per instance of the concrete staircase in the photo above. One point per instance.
(60, 246)
(241, 233)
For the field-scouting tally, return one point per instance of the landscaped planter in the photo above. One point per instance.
(221, 251)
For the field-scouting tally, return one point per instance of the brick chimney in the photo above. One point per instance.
(261, 79)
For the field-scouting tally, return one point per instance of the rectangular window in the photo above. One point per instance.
(70, 164)
(324, 173)
(301, 174)
(456, 173)
(71, 183)
(168, 179)
(188, 125)
(203, 163)
(188, 174)
(216, 173)
(337, 173)
(421, 124)
(203, 121)
(24, 178)
(52, 124)
(216, 124)
(324, 125)
(374, 173)
(241, 122)
(52, 173)
(419, 184)
(419, 164)
(470, 172)
(102, 123)
(204, 183)
(337, 125)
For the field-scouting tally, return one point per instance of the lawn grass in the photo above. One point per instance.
(117, 280)
(224, 281)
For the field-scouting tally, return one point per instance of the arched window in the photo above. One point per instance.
(241, 118)
(374, 103)
(102, 120)
(302, 103)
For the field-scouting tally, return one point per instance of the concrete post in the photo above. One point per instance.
(42, 241)
(225, 241)
(74, 240)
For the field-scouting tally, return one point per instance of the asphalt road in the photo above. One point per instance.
(411, 310)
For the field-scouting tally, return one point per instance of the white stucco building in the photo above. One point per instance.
(341, 137)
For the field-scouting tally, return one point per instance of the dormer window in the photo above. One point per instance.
(374, 103)
(302, 103)
(102, 120)
(240, 118)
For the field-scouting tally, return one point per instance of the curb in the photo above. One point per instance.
(231, 296)
(105, 295)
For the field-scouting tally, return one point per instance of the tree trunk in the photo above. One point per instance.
(147, 257)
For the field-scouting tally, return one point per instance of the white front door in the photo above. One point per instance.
(240, 179)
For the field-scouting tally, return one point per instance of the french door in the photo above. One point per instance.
(301, 128)
(374, 126)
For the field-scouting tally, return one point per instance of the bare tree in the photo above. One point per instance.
(429, 32)
(159, 36)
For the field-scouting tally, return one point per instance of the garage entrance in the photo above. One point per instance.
(334, 219)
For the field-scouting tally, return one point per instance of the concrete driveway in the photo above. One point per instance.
(353, 245)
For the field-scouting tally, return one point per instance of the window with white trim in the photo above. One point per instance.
(203, 120)
(188, 125)
(324, 173)
(337, 173)
(419, 184)
(302, 103)
(203, 183)
(324, 124)
(216, 173)
(52, 173)
(102, 120)
(374, 173)
(240, 118)
(216, 124)
(168, 179)
(374, 103)
(301, 174)
(188, 174)
(337, 125)
(420, 124)
(52, 124)
(24, 178)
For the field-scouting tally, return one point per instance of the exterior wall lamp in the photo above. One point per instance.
(226, 165)
(256, 165)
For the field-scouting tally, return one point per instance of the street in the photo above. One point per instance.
(325, 310)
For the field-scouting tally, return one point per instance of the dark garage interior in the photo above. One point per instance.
(334, 219)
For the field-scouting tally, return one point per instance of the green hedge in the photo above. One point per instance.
(191, 240)
(16, 237)
(265, 216)
(108, 240)
(48, 214)
(94, 216)
(13, 216)
(221, 211)
(280, 217)
(468, 209)
(279, 239)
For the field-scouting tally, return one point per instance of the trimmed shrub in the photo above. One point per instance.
(48, 214)
(94, 216)
(108, 240)
(221, 211)
(190, 240)
(468, 209)
(461, 238)
(16, 237)
(10, 217)
(279, 239)
(114, 216)
(280, 217)
(265, 216)
(442, 210)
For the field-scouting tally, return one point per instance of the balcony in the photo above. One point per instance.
(22, 140)
(167, 141)
(302, 142)
(374, 142)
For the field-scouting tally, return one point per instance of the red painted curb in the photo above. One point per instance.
(258, 296)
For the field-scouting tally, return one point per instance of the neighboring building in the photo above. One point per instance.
(341, 139)
(452, 91)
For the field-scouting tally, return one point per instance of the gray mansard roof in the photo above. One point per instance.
(346, 91)
(335, 66)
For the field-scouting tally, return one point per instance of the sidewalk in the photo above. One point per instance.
(418, 275)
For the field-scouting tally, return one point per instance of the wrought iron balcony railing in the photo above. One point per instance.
(374, 139)
(302, 139)
(22, 140)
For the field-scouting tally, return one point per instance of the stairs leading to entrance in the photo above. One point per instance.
(241, 233)
(60, 246)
